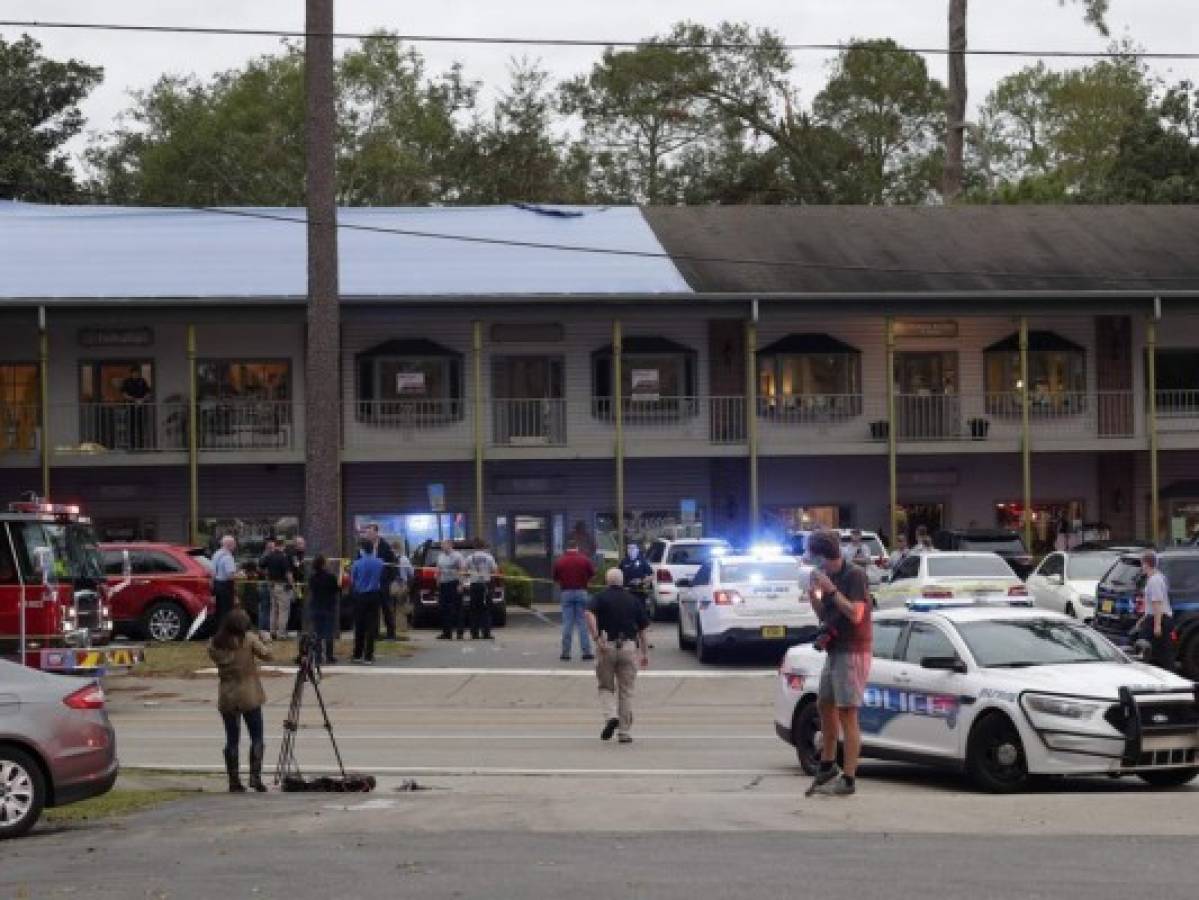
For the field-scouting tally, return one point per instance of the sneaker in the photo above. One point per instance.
(625, 739)
(821, 779)
(609, 729)
(564, 657)
(368, 662)
(588, 656)
(837, 787)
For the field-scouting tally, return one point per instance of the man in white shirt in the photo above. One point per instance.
(224, 575)
(480, 569)
(1157, 623)
(857, 552)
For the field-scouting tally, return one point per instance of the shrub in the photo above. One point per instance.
(518, 589)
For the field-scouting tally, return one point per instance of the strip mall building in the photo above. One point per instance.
(741, 368)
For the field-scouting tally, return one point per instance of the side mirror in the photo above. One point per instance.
(684, 583)
(944, 664)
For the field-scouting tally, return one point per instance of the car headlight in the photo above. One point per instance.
(1060, 706)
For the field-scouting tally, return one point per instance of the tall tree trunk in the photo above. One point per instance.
(955, 111)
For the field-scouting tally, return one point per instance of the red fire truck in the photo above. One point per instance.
(54, 611)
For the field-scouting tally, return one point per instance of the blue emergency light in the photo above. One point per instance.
(932, 605)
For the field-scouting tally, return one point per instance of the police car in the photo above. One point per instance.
(741, 599)
(952, 575)
(1003, 692)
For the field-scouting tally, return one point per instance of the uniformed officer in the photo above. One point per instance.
(617, 623)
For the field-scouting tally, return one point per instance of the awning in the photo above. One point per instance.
(812, 343)
(1038, 341)
(645, 344)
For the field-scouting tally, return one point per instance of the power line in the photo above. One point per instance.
(494, 40)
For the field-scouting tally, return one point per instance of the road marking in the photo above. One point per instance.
(346, 736)
(489, 771)
(574, 673)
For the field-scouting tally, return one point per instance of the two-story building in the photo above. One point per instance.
(528, 374)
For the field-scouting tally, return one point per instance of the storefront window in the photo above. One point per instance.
(657, 380)
(243, 380)
(1177, 378)
(407, 531)
(1050, 519)
(409, 383)
(780, 521)
(19, 403)
(1057, 375)
(642, 527)
(809, 376)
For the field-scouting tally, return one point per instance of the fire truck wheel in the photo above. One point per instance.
(165, 621)
(22, 792)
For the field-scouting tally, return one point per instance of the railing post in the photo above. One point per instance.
(618, 419)
(1151, 367)
(477, 351)
(751, 416)
(1025, 445)
(43, 341)
(892, 445)
(193, 442)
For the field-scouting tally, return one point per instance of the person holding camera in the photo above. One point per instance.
(840, 595)
(235, 651)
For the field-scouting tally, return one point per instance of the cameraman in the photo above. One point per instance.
(840, 595)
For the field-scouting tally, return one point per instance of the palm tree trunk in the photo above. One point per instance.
(955, 112)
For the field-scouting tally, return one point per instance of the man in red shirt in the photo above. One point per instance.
(572, 573)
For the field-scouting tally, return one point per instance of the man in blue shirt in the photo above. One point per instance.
(366, 583)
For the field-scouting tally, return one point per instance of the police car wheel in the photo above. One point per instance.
(1070, 611)
(704, 652)
(1169, 778)
(995, 757)
(22, 792)
(808, 738)
(685, 643)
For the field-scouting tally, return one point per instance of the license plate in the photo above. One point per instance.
(1107, 606)
(774, 631)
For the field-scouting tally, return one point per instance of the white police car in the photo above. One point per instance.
(1003, 692)
(741, 599)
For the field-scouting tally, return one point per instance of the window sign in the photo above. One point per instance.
(437, 497)
(410, 384)
(646, 384)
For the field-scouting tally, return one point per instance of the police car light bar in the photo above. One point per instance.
(54, 509)
(765, 551)
(927, 605)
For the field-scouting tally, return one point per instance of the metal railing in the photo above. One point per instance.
(409, 414)
(529, 423)
(1178, 404)
(810, 409)
(726, 420)
(659, 411)
(246, 425)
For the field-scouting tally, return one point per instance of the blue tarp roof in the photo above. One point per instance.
(84, 252)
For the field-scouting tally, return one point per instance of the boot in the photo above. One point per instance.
(235, 785)
(256, 752)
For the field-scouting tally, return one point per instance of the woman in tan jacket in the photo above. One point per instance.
(236, 652)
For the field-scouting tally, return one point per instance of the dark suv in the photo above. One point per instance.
(1007, 544)
(1120, 603)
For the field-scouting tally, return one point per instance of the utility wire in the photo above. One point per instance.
(494, 40)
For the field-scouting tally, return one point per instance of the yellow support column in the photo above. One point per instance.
(477, 350)
(618, 418)
(43, 341)
(193, 442)
(1025, 443)
(1151, 414)
(751, 419)
(892, 446)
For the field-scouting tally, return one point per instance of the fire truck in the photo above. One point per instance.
(54, 611)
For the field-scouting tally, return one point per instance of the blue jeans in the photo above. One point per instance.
(574, 604)
(264, 608)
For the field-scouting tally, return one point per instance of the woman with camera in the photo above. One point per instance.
(236, 651)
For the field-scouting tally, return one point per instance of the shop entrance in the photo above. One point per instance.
(913, 515)
(531, 540)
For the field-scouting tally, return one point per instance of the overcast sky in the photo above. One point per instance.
(134, 61)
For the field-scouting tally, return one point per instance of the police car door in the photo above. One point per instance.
(925, 703)
(874, 718)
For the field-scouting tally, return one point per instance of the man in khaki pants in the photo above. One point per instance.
(617, 622)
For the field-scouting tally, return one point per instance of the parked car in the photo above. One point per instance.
(1005, 694)
(879, 558)
(56, 745)
(1120, 602)
(1066, 582)
(167, 587)
(424, 587)
(1007, 544)
(949, 576)
(740, 600)
(672, 560)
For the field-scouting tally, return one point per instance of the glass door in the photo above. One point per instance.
(532, 540)
(529, 404)
(926, 387)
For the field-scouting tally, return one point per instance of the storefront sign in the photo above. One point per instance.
(645, 384)
(437, 497)
(410, 384)
(926, 328)
(116, 337)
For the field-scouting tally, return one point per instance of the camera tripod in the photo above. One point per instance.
(287, 774)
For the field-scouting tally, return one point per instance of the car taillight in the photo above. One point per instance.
(663, 576)
(1017, 590)
(936, 594)
(795, 680)
(89, 697)
(726, 598)
(881, 561)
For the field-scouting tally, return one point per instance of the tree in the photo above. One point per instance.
(1095, 13)
(39, 113)
(881, 99)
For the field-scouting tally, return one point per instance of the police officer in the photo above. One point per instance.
(617, 623)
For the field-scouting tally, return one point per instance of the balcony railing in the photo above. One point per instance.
(647, 411)
(1178, 411)
(810, 409)
(408, 414)
(529, 423)
(246, 425)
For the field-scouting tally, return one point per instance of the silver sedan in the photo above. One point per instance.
(56, 745)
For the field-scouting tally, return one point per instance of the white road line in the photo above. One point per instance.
(575, 673)
(490, 771)
(344, 735)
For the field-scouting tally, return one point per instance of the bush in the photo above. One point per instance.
(518, 589)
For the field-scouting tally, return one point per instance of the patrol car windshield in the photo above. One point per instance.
(1091, 566)
(968, 567)
(1125, 572)
(61, 550)
(1022, 643)
(997, 544)
(753, 573)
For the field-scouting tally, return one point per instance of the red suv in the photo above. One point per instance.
(169, 586)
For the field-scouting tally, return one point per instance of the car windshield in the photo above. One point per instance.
(997, 544)
(754, 573)
(945, 566)
(693, 554)
(1125, 572)
(1091, 566)
(1020, 643)
(62, 550)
